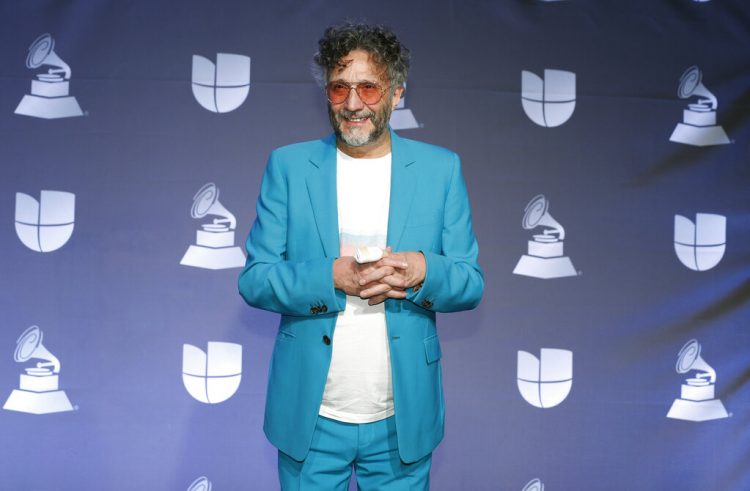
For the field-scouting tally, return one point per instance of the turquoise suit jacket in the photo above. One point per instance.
(291, 249)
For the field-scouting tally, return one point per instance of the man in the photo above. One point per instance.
(355, 375)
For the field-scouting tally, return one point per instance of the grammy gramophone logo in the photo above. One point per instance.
(534, 485)
(214, 244)
(545, 257)
(402, 118)
(697, 400)
(38, 391)
(200, 484)
(49, 98)
(698, 125)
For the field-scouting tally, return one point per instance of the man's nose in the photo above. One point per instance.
(353, 102)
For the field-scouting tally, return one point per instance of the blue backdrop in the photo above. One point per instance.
(616, 132)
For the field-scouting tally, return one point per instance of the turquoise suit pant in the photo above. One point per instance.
(371, 449)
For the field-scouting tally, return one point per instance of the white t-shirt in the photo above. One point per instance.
(359, 387)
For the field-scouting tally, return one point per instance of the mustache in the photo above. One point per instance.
(356, 114)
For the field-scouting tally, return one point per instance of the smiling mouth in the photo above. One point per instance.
(355, 119)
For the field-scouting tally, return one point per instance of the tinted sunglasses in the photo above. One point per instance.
(368, 92)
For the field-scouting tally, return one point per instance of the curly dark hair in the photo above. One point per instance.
(378, 40)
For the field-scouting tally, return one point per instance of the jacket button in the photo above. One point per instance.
(326, 340)
(426, 303)
(324, 309)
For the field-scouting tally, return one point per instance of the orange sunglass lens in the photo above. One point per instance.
(369, 93)
(338, 92)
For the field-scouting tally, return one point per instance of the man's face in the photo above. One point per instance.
(355, 123)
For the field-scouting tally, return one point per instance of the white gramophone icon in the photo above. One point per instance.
(534, 485)
(402, 118)
(698, 125)
(214, 247)
(49, 97)
(696, 402)
(545, 257)
(200, 484)
(38, 391)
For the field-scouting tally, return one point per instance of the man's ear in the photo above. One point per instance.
(398, 92)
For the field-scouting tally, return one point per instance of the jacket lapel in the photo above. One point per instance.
(321, 187)
(403, 183)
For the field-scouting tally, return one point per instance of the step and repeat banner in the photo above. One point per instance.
(605, 149)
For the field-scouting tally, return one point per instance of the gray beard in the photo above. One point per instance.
(359, 138)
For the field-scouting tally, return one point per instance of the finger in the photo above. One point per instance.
(376, 300)
(395, 261)
(395, 293)
(397, 255)
(366, 268)
(394, 281)
(375, 275)
(374, 290)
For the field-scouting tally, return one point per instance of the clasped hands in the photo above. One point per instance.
(388, 277)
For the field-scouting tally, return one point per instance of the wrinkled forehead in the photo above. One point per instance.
(357, 66)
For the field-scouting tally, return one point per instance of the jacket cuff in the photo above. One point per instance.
(423, 294)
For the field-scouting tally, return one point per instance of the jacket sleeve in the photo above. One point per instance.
(272, 282)
(453, 281)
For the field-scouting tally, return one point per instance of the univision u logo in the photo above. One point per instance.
(546, 381)
(212, 376)
(221, 87)
(47, 224)
(700, 246)
(548, 102)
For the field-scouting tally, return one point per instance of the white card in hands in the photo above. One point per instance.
(369, 254)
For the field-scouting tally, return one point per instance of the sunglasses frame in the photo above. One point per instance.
(356, 89)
